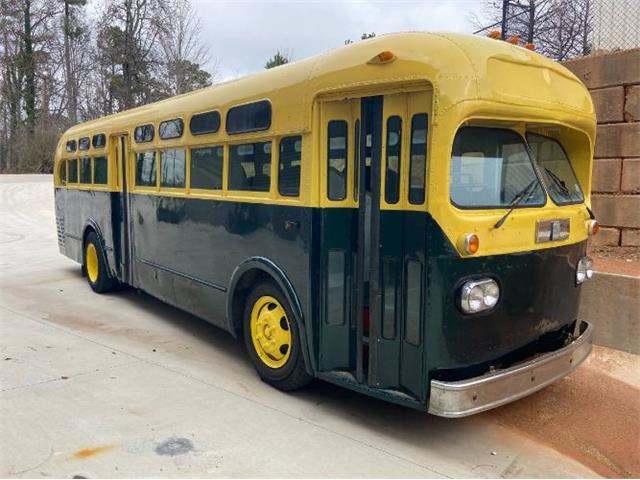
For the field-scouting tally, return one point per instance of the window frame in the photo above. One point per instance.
(180, 122)
(398, 182)
(426, 159)
(249, 130)
(80, 163)
(206, 132)
(71, 143)
(279, 142)
(93, 141)
(146, 187)
(77, 172)
(243, 192)
(82, 143)
(159, 166)
(137, 128)
(346, 160)
(93, 170)
(207, 191)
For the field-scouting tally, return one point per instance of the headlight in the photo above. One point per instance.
(479, 295)
(584, 270)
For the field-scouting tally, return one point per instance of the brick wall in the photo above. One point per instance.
(614, 82)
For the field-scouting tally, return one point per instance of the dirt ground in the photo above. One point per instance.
(621, 260)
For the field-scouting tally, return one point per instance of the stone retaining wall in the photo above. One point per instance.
(614, 82)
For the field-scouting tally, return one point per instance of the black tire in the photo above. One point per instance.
(103, 282)
(293, 374)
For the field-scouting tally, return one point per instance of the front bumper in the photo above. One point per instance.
(467, 397)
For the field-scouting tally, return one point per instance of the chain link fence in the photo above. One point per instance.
(615, 25)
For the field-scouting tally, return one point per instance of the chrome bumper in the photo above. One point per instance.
(473, 395)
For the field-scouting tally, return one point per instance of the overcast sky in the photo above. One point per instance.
(243, 34)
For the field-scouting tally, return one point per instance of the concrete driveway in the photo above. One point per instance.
(122, 385)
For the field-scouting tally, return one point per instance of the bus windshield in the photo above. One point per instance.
(555, 167)
(489, 169)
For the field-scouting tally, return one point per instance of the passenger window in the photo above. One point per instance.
(73, 170)
(71, 146)
(392, 172)
(250, 167)
(173, 168)
(249, 118)
(171, 129)
(418, 160)
(146, 169)
(100, 170)
(85, 170)
(62, 172)
(206, 168)
(289, 166)
(337, 159)
(143, 133)
(99, 141)
(202, 123)
(83, 143)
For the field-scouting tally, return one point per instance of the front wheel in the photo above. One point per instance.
(272, 338)
(95, 265)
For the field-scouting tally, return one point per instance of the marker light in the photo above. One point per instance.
(383, 57)
(584, 270)
(471, 244)
(530, 46)
(592, 227)
(479, 295)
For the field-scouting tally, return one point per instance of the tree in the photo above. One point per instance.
(71, 31)
(277, 60)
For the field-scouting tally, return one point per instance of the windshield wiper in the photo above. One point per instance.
(558, 181)
(523, 194)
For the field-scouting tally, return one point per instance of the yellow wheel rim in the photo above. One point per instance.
(92, 263)
(270, 332)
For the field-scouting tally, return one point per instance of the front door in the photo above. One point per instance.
(374, 234)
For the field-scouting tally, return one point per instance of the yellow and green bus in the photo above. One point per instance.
(406, 216)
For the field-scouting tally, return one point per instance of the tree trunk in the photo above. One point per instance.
(72, 100)
(29, 69)
(532, 20)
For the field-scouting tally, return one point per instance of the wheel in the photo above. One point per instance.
(95, 266)
(272, 338)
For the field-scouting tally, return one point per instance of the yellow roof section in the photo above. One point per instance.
(458, 67)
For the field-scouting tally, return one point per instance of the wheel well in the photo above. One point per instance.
(241, 292)
(88, 229)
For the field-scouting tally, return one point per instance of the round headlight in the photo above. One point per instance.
(479, 295)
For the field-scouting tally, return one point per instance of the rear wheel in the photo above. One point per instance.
(272, 338)
(95, 265)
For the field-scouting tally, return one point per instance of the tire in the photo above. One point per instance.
(95, 266)
(266, 334)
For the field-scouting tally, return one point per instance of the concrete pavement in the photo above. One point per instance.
(122, 385)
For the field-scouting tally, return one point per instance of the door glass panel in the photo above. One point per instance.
(335, 287)
(418, 160)
(389, 298)
(392, 172)
(337, 160)
(100, 170)
(413, 308)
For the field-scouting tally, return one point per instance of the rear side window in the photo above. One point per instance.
(289, 166)
(418, 158)
(146, 169)
(84, 143)
(171, 129)
(337, 159)
(392, 171)
(252, 117)
(85, 170)
(73, 170)
(62, 172)
(143, 133)
(208, 122)
(250, 167)
(206, 168)
(71, 146)
(173, 168)
(100, 170)
(99, 140)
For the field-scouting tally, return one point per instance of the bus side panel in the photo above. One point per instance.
(75, 209)
(186, 249)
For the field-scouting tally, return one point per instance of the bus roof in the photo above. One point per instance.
(458, 67)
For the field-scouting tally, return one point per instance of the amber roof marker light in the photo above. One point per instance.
(383, 57)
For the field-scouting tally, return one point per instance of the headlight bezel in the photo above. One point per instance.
(466, 287)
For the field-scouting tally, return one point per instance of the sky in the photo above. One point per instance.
(243, 34)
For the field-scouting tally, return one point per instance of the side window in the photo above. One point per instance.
(418, 158)
(83, 143)
(171, 129)
(62, 172)
(71, 146)
(146, 169)
(100, 170)
(252, 117)
(206, 168)
(143, 133)
(85, 170)
(208, 122)
(392, 172)
(337, 159)
(99, 140)
(289, 166)
(73, 171)
(173, 167)
(250, 167)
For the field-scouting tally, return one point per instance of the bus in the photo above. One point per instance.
(405, 216)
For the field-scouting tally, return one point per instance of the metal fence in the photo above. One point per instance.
(616, 25)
